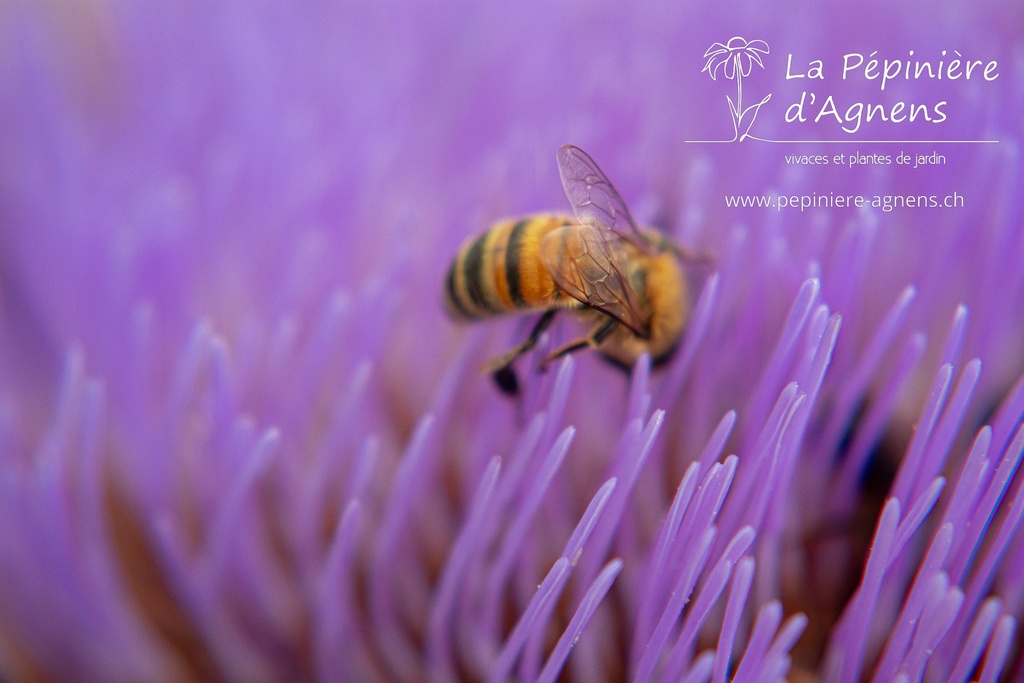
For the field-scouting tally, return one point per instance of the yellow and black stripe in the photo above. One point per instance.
(501, 270)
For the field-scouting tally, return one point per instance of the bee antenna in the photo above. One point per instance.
(690, 256)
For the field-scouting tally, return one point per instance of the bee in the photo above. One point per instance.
(624, 282)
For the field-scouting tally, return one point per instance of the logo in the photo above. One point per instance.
(736, 59)
(832, 110)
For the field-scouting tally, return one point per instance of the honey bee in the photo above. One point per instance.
(625, 282)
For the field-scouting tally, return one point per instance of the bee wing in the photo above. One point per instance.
(587, 262)
(594, 199)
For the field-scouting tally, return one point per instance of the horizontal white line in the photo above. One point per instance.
(862, 142)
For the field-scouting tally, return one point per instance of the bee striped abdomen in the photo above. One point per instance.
(501, 270)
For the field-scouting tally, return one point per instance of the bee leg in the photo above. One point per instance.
(500, 367)
(596, 336)
(505, 378)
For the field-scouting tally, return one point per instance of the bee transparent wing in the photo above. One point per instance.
(587, 262)
(594, 199)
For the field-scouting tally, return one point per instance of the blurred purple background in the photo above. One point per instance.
(163, 164)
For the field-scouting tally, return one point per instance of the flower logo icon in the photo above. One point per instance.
(736, 59)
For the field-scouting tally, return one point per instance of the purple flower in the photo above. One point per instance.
(239, 439)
